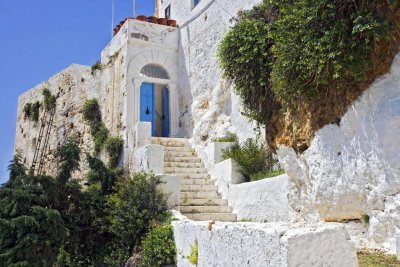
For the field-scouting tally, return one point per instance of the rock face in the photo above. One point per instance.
(267, 244)
(72, 87)
(352, 170)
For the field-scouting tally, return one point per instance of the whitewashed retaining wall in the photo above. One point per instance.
(354, 169)
(268, 244)
(261, 201)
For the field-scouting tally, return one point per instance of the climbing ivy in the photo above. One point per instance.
(92, 114)
(114, 146)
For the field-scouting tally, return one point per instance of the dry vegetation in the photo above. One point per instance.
(372, 258)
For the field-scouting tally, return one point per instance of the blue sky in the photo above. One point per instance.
(40, 38)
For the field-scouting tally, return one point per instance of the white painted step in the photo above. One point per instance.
(183, 164)
(204, 202)
(199, 194)
(178, 149)
(205, 209)
(184, 170)
(196, 181)
(224, 217)
(171, 142)
(180, 154)
(182, 159)
(191, 175)
(189, 188)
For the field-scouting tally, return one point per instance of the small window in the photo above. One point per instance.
(168, 12)
(154, 71)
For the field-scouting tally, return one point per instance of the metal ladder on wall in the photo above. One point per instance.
(40, 151)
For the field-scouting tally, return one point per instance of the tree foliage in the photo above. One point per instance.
(53, 221)
(246, 58)
(145, 203)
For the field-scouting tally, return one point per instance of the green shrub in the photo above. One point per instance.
(287, 50)
(194, 253)
(91, 111)
(159, 246)
(246, 58)
(114, 146)
(96, 66)
(251, 156)
(49, 99)
(27, 110)
(232, 138)
(35, 111)
(266, 174)
(322, 43)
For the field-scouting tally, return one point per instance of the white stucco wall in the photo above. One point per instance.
(208, 106)
(354, 169)
(268, 244)
(261, 201)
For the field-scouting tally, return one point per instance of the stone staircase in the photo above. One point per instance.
(200, 200)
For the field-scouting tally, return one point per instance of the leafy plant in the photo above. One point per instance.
(229, 139)
(159, 246)
(251, 156)
(194, 253)
(266, 174)
(114, 146)
(49, 99)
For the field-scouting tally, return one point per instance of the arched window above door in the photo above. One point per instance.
(154, 71)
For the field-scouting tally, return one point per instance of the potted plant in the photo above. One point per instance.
(141, 18)
(171, 22)
(152, 19)
(162, 21)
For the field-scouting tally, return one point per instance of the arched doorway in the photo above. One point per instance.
(155, 100)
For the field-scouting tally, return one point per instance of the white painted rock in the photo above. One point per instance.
(354, 169)
(258, 244)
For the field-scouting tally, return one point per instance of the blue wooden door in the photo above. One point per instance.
(147, 97)
(165, 117)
